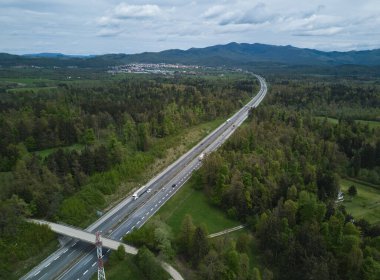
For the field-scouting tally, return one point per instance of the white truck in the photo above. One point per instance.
(137, 193)
(201, 156)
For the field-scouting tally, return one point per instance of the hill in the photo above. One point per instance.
(232, 54)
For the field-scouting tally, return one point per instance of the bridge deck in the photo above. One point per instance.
(86, 236)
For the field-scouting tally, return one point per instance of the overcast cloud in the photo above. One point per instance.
(101, 26)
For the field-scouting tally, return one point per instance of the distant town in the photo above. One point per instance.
(155, 68)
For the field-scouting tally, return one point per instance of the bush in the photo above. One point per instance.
(352, 191)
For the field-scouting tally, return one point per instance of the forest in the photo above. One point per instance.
(286, 190)
(63, 151)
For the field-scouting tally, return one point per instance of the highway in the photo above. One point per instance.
(77, 259)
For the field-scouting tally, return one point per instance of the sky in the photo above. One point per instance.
(110, 26)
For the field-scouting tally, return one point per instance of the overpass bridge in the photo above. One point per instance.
(85, 236)
(106, 242)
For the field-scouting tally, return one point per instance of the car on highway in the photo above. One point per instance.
(174, 185)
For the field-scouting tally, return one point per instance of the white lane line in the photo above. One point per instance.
(133, 227)
(87, 261)
(138, 222)
(85, 272)
(47, 265)
(74, 244)
(93, 264)
(155, 205)
(56, 257)
(159, 201)
(108, 250)
(128, 231)
(65, 251)
(38, 272)
(166, 195)
(121, 238)
(151, 209)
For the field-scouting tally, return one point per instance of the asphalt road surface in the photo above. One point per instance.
(77, 259)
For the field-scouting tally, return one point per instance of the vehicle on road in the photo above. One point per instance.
(201, 156)
(137, 193)
(174, 185)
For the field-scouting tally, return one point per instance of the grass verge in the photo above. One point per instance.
(25, 266)
(193, 202)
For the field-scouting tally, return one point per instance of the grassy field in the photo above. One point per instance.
(331, 120)
(371, 124)
(365, 205)
(193, 202)
(47, 152)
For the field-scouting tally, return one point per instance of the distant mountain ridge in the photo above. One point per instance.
(56, 55)
(232, 54)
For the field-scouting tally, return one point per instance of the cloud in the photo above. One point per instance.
(214, 12)
(251, 14)
(116, 20)
(109, 32)
(329, 31)
(106, 21)
(125, 11)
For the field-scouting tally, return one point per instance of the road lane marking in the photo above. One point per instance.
(74, 244)
(159, 201)
(93, 264)
(87, 261)
(57, 257)
(155, 205)
(65, 251)
(133, 227)
(128, 231)
(151, 209)
(47, 265)
(138, 222)
(85, 272)
(38, 272)
(121, 238)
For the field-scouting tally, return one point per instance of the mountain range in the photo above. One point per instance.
(232, 54)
